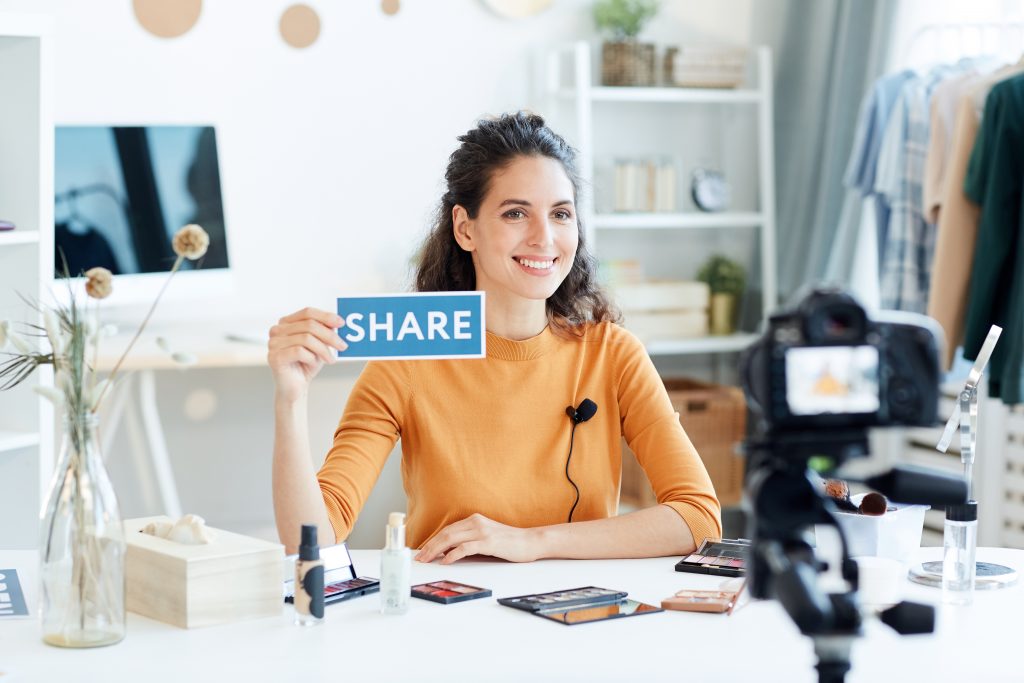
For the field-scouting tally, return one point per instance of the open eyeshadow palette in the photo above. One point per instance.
(722, 558)
(580, 605)
(340, 579)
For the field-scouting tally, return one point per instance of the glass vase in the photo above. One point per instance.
(82, 548)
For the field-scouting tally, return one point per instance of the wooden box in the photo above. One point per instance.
(231, 578)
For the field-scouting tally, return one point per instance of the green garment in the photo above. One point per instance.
(995, 176)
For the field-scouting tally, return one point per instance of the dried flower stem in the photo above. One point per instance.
(138, 332)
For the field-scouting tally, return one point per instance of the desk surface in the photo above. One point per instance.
(482, 640)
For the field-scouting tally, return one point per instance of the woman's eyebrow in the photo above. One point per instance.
(523, 202)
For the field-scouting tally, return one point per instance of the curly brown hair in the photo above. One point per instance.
(443, 266)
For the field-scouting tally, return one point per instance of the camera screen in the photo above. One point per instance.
(832, 379)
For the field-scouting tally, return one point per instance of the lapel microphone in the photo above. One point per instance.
(583, 412)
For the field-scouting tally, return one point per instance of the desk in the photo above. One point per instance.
(210, 349)
(484, 641)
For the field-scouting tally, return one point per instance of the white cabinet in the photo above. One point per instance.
(727, 129)
(26, 264)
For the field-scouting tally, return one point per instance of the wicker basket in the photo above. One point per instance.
(627, 63)
(715, 419)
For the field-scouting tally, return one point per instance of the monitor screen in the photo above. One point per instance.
(121, 192)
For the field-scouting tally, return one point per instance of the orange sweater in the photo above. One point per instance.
(491, 436)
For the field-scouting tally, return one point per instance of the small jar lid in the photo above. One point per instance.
(964, 512)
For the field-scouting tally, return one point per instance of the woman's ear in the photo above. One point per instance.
(463, 228)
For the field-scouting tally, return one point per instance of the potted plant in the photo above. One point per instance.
(726, 279)
(624, 61)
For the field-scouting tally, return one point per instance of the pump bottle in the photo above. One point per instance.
(309, 580)
(395, 568)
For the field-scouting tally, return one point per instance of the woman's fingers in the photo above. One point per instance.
(327, 335)
(306, 341)
(326, 317)
(447, 538)
(460, 551)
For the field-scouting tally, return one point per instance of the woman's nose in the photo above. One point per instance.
(541, 232)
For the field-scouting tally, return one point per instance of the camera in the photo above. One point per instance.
(826, 364)
(819, 377)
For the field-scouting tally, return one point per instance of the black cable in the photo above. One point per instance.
(572, 435)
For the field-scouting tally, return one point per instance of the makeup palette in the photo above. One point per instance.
(589, 595)
(340, 579)
(447, 592)
(722, 558)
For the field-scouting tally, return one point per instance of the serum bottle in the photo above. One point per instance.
(395, 568)
(309, 580)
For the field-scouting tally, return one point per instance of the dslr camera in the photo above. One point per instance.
(826, 365)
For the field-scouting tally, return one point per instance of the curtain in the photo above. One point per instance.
(827, 53)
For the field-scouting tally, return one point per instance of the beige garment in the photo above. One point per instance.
(957, 231)
(940, 139)
(955, 237)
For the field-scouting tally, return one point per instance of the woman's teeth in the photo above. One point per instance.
(539, 265)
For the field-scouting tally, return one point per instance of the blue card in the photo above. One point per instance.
(411, 326)
(12, 601)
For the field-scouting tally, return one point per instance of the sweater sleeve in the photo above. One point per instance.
(369, 428)
(652, 430)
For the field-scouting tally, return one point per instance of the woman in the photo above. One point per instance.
(485, 442)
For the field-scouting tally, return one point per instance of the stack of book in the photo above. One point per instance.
(645, 185)
(664, 310)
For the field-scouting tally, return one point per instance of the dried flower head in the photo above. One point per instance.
(191, 242)
(5, 325)
(98, 283)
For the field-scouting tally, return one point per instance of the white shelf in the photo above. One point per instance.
(635, 221)
(9, 237)
(668, 95)
(725, 344)
(11, 441)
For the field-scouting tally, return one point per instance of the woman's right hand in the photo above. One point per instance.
(300, 344)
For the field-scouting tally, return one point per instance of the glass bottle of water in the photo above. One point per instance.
(960, 540)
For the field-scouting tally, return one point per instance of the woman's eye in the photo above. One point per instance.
(563, 215)
(514, 214)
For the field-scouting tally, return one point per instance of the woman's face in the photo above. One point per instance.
(524, 238)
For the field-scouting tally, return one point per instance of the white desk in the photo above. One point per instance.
(482, 640)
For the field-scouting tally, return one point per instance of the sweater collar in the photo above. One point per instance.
(527, 349)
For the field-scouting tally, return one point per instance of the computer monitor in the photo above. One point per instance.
(121, 192)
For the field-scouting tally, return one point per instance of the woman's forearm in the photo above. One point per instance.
(297, 497)
(656, 531)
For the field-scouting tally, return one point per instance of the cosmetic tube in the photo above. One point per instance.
(959, 545)
(309, 580)
(395, 568)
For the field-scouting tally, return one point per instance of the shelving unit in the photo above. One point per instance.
(26, 262)
(569, 82)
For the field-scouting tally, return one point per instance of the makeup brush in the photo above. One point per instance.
(873, 504)
(839, 491)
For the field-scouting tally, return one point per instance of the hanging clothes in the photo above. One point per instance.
(959, 217)
(995, 175)
(905, 268)
(872, 122)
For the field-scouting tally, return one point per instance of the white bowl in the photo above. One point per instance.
(895, 535)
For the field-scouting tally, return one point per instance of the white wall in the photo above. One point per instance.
(332, 160)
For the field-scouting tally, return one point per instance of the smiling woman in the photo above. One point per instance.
(486, 446)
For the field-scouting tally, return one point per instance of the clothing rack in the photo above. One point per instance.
(945, 42)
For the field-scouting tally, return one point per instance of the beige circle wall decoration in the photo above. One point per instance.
(167, 18)
(517, 9)
(300, 26)
(390, 7)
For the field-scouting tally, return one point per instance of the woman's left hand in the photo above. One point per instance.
(479, 535)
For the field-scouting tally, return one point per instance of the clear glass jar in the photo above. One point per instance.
(82, 546)
(959, 547)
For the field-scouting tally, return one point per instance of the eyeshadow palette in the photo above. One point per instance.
(589, 595)
(587, 613)
(722, 558)
(447, 592)
(343, 590)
